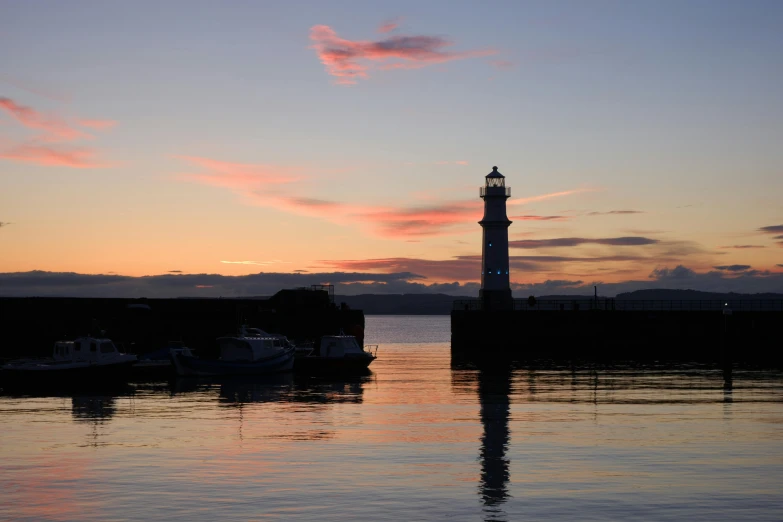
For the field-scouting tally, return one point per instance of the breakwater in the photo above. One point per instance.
(743, 332)
(30, 326)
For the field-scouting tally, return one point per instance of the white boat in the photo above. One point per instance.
(159, 363)
(338, 354)
(300, 350)
(248, 353)
(82, 362)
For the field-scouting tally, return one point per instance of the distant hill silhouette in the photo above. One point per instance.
(401, 304)
(685, 295)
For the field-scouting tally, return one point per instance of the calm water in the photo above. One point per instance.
(416, 440)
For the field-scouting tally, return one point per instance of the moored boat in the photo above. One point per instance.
(84, 362)
(159, 363)
(249, 353)
(338, 354)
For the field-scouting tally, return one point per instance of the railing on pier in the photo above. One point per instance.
(601, 303)
(329, 289)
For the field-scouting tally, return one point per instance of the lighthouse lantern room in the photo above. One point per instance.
(495, 288)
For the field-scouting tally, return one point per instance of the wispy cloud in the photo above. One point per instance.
(4, 224)
(539, 218)
(390, 25)
(774, 229)
(259, 263)
(54, 128)
(543, 197)
(733, 268)
(742, 247)
(576, 241)
(351, 60)
(265, 185)
(243, 177)
(615, 212)
(53, 145)
(55, 156)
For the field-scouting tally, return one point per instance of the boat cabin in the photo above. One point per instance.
(85, 349)
(248, 348)
(340, 346)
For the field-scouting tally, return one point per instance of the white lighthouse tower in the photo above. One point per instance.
(495, 289)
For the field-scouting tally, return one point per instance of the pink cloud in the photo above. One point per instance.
(242, 177)
(52, 129)
(389, 26)
(78, 158)
(55, 129)
(346, 59)
(98, 124)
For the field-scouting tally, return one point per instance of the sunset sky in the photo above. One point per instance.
(344, 142)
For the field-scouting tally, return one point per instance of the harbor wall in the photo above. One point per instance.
(30, 326)
(748, 337)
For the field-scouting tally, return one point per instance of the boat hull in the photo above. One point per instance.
(315, 364)
(188, 365)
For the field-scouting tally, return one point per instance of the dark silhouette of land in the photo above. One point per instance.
(441, 304)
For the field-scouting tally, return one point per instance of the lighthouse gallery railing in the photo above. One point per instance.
(495, 191)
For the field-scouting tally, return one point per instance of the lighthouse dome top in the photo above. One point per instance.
(495, 173)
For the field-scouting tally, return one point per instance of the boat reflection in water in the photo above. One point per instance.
(283, 388)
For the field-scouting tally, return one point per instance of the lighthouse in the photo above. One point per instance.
(495, 291)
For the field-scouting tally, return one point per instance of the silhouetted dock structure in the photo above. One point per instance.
(711, 331)
(29, 326)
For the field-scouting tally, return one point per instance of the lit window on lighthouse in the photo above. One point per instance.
(490, 243)
(498, 272)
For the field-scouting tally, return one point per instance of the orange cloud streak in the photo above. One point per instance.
(242, 177)
(79, 158)
(252, 181)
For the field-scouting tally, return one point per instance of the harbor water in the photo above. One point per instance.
(422, 437)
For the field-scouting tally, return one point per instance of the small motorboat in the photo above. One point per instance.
(85, 361)
(300, 350)
(338, 354)
(159, 363)
(248, 353)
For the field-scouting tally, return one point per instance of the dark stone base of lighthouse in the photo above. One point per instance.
(622, 336)
(496, 299)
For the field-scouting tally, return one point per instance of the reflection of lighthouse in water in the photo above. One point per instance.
(494, 388)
